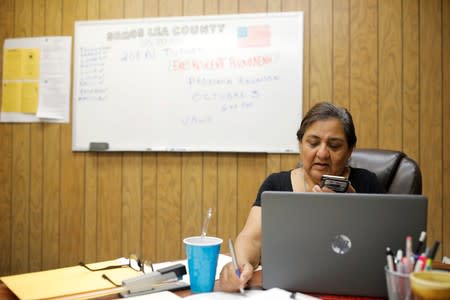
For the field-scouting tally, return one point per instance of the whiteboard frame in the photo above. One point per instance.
(291, 148)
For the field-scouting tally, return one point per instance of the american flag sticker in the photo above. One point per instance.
(253, 36)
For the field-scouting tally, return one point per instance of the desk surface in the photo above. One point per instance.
(256, 281)
(5, 293)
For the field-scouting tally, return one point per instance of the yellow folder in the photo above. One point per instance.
(66, 281)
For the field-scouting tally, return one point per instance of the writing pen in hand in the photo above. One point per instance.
(235, 262)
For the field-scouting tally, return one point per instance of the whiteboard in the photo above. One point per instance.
(224, 83)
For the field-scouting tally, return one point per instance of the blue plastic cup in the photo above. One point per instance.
(202, 254)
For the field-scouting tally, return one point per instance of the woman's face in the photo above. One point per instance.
(324, 149)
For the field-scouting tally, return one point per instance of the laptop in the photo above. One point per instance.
(329, 243)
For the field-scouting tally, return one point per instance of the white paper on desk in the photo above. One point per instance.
(164, 295)
(271, 294)
(222, 261)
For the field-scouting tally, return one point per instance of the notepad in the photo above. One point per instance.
(270, 294)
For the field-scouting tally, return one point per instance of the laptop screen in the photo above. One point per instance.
(332, 243)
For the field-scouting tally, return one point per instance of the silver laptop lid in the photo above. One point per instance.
(335, 243)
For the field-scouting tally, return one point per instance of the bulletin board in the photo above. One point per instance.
(36, 79)
(223, 83)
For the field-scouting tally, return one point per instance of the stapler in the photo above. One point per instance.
(165, 279)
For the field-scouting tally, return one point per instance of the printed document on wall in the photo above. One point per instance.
(36, 79)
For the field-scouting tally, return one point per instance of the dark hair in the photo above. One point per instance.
(324, 111)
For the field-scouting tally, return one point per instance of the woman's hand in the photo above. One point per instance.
(230, 282)
(318, 189)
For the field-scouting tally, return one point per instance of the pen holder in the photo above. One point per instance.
(398, 285)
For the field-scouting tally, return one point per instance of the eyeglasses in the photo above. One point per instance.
(133, 262)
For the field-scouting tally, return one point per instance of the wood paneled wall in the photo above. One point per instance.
(388, 61)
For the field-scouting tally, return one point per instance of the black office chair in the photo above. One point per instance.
(398, 173)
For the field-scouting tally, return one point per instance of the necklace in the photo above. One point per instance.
(305, 185)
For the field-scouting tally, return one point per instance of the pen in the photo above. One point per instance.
(420, 243)
(409, 262)
(398, 256)
(431, 254)
(420, 263)
(390, 259)
(235, 262)
(408, 247)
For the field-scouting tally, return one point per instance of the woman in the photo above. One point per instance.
(326, 139)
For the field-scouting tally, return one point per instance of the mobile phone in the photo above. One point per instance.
(336, 183)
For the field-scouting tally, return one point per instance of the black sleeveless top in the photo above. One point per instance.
(362, 180)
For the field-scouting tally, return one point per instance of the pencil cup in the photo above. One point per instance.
(202, 254)
(398, 285)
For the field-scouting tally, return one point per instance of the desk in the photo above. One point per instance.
(256, 282)
(5, 293)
